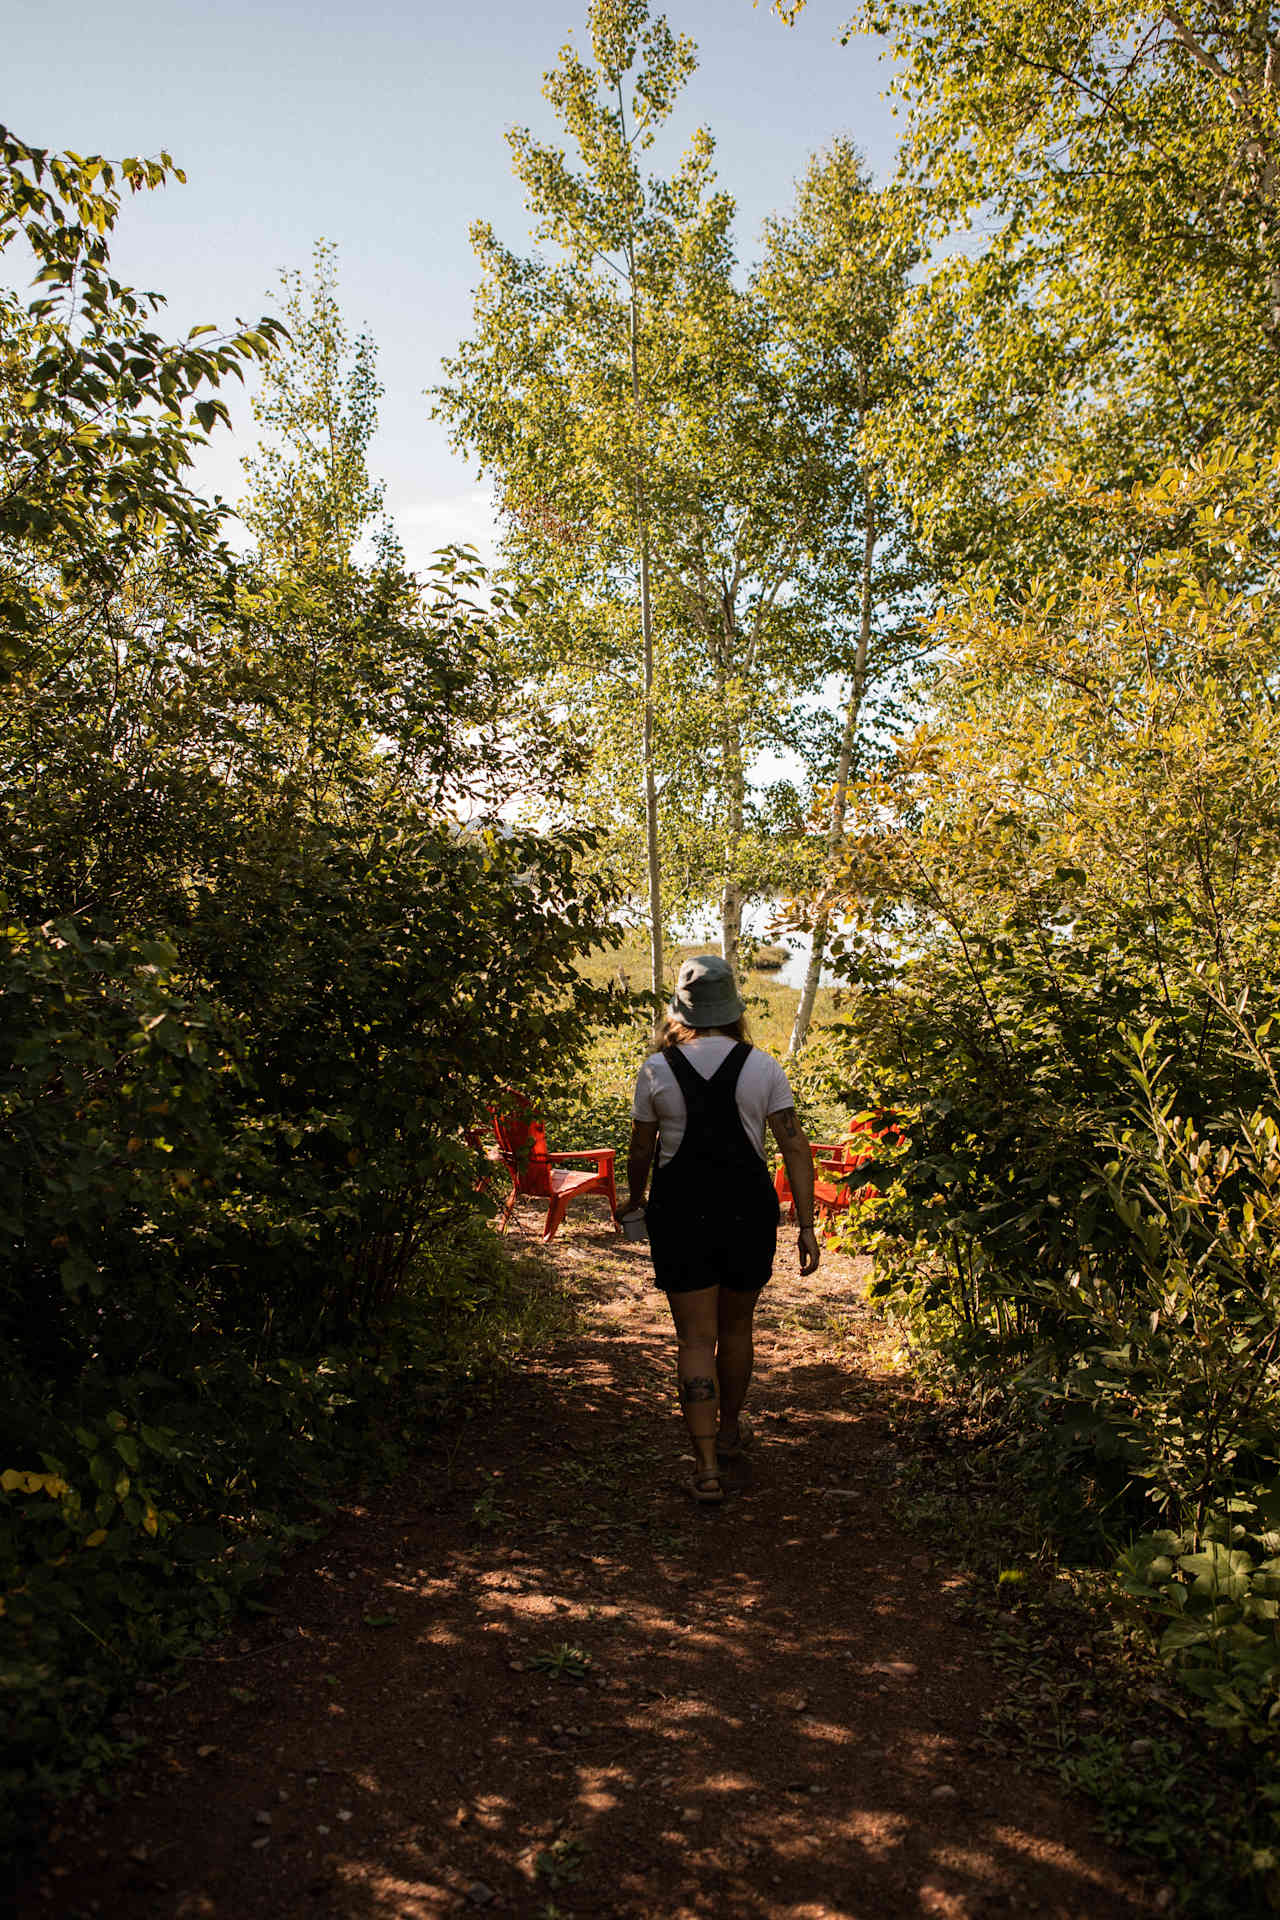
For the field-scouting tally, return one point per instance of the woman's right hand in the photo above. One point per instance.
(810, 1251)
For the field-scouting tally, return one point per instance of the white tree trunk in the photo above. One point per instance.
(650, 782)
(840, 797)
(731, 904)
(646, 644)
(732, 896)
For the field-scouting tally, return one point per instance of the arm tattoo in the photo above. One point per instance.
(787, 1121)
(699, 1386)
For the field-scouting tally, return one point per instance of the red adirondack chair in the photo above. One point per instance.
(522, 1146)
(834, 1161)
(830, 1183)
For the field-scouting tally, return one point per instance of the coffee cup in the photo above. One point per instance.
(633, 1224)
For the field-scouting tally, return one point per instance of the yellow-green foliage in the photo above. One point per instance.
(1066, 920)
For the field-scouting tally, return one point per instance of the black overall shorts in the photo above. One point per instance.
(712, 1214)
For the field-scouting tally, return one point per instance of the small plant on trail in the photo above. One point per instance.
(561, 1863)
(486, 1513)
(564, 1662)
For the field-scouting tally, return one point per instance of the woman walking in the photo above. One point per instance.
(702, 1099)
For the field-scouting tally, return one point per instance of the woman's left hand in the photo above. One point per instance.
(810, 1251)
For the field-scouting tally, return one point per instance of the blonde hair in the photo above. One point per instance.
(672, 1032)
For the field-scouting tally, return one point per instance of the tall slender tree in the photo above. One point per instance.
(316, 410)
(834, 276)
(664, 439)
(557, 391)
(349, 658)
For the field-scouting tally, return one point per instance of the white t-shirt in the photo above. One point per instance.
(762, 1089)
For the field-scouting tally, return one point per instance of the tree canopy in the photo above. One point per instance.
(692, 531)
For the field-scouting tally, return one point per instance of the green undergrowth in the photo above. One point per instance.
(1087, 1696)
(145, 1511)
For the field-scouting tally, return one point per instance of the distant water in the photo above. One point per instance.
(756, 922)
(792, 974)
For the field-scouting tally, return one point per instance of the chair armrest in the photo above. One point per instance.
(598, 1154)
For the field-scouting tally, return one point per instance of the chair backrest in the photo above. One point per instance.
(522, 1142)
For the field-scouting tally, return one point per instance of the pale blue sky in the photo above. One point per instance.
(381, 127)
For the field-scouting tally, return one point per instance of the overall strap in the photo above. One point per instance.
(719, 1090)
(729, 1072)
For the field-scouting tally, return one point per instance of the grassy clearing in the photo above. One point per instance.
(595, 1111)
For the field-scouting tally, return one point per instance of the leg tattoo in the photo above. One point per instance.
(698, 1386)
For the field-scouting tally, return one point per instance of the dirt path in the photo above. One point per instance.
(776, 1717)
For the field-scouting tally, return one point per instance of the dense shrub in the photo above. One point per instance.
(114, 1085)
(149, 1505)
(269, 941)
(263, 1160)
(1064, 928)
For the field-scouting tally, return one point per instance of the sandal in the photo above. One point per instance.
(734, 1449)
(705, 1488)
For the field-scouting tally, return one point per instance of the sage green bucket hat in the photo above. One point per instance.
(706, 994)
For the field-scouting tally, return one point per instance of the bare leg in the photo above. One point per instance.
(696, 1321)
(735, 1355)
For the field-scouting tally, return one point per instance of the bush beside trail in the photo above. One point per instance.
(267, 943)
(152, 1504)
(1064, 938)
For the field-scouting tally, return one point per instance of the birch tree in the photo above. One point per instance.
(761, 491)
(834, 276)
(660, 444)
(556, 392)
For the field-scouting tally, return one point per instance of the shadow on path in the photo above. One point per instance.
(533, 1679)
